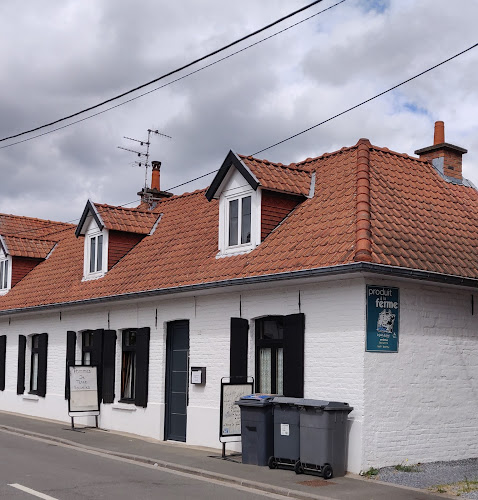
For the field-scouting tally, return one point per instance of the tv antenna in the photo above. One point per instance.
(144, 153)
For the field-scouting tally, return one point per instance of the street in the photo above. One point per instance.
(30, 469)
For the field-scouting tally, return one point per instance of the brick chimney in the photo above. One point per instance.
(153, 194)
(445, 157)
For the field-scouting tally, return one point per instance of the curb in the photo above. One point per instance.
(277, 490)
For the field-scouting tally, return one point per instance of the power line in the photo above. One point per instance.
(166, 84)
(167, 74)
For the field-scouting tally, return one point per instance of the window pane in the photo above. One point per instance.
(246, 220)
(129, 337)
(2, 264)
(128, 375)
(271, 328)
(265, 370)
(34, 376)
(99, 259)
(5, 275)
(92, 255)
(233, 221)
(280, 371)
(87, 358)
(35, 341)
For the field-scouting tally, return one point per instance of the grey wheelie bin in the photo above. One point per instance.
(286, 432)
(257, 432)
(323, 437)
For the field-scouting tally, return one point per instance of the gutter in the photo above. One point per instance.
(357, 267)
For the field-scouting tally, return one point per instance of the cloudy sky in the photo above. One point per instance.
(60, 57)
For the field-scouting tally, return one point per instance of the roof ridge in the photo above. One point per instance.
(275, 164)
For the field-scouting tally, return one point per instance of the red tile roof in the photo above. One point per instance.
(370, 204)
(278, 177)
(130, 220)
(26, 247)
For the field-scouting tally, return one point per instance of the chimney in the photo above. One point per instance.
(153, 194)
(155, 175)
(445, 157)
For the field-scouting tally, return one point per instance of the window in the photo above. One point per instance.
(135, 366)
(86, 347)
(4, 274)
(128, 367)
(270, 354)
(280, 355)
(3, 348)
(240, 221)
(38, 365)
(96, 253)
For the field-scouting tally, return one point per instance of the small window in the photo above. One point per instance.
(96, 253)
(3, 274)
(34, 363)
(128, 367)
(270, 355)
(240, 221)
(86, 347)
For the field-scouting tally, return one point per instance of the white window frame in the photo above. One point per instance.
(237, 188)
(94, 232)
(5, 260)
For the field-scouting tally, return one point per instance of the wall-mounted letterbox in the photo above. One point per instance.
(198, 375)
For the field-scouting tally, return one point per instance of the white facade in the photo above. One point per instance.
(418, 404)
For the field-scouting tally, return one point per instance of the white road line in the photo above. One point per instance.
(32, 492)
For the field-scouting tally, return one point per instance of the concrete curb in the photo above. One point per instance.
(277, 490)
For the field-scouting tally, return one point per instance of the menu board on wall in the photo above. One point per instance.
(383, 312)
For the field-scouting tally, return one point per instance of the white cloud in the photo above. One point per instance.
(59, 59)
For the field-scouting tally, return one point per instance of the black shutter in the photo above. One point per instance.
(238, 349)
(97, 358)
(294, 326)
(109, 353)
(42, 363)
(142, 367)
(70, 359)
(3, 350)
(22, 344)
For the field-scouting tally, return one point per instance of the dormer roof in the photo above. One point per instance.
(26, 247)
(289, 179)
(128, 220)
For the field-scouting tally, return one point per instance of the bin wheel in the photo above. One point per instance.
(298, 468)
(272, 463)
(327, 472)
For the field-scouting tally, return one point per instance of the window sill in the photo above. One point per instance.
(31, 397)
(124, 406)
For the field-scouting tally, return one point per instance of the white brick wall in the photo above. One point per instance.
(422, 403)
(419, 404)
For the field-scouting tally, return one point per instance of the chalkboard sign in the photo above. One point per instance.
(230, 425)
(83, 389)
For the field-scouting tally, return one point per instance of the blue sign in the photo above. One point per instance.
(383, 308)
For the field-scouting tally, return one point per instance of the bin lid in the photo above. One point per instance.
(256, 400)
(324, 405)
(281, 400)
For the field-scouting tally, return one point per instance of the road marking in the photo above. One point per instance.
(32, 492)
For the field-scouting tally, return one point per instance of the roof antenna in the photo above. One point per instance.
(144, 153)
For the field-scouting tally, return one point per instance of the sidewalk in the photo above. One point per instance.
(207, 463)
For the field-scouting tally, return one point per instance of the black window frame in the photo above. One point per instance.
(87, 348)
(128, 348)
(34, 351)
(273, 344)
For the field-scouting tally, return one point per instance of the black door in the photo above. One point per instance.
(177, 361)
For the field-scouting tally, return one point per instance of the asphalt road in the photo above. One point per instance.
(31, 468)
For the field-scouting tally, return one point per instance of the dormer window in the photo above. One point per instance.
(96, 253)
(4, 275)
(240, 221)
